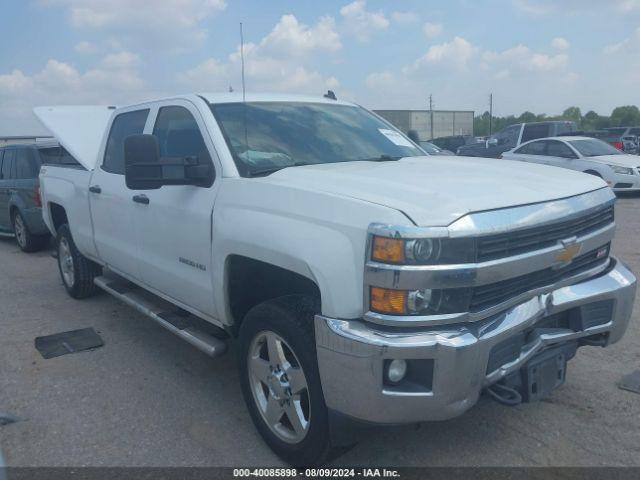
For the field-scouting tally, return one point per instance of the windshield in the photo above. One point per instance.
(430, 147)
(594, 148)
(267, 136)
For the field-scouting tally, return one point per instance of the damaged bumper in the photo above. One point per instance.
(449, 366)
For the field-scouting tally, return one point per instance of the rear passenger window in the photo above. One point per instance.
(7, 164)
(124, 125)
(25, 167)
(179, 135)
(531, 132)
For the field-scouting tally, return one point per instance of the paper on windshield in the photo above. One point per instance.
(396, 137)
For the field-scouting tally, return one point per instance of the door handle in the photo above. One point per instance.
(141, 199)
(95, 189)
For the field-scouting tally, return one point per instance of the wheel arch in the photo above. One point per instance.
(249, 282)
(58, 215)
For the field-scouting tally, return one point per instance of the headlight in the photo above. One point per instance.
(623, 170)
(419, 302)
(423, 251)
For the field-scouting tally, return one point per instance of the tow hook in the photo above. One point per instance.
(505, 395)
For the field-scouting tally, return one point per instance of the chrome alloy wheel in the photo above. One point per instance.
(20, 230)
(279, 387)
(65, 259)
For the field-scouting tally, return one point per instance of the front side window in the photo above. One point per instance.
(178, 135)
(533, 148)
(508, 136)
(266, 136)
(123, 126)
(559, 149)
(594, 148)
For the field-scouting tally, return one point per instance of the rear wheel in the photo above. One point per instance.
(280, 379)
(77, 271)
(27, 241)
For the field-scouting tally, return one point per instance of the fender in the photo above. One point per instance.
(317, 235)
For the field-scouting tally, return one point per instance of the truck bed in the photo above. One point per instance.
(66, 186)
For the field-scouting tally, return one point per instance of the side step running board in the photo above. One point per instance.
(174, 319)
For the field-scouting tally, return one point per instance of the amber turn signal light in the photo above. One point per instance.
(388, 250)
(385, 300)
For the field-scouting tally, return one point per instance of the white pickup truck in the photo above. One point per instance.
(364, 282)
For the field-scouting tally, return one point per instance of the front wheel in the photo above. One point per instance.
(280, 379)
(77, 271)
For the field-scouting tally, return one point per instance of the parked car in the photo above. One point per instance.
(590, 155)
(453, 142)
(364, 283)
(623, 138)
(514, 135)
(20, 205)
(432, 149)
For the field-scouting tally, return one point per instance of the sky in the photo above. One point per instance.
(535, 55)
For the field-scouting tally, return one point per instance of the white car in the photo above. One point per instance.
(590, 155)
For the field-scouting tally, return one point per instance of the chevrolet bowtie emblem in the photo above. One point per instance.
(569, 251)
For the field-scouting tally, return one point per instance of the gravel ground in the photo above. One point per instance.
(149, 399)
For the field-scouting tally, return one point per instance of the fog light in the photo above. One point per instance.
(396, 370)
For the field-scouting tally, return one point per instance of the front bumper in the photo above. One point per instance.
(351, 353)
(625, 183)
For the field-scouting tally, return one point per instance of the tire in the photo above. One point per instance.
(291, 319)
(27, 241)
(76, 271)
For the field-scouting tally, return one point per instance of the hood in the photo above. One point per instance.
(632, 161)
(437, 190)
(79, 129)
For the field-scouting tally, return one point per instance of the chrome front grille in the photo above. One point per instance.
(508, 244)
(487, 296)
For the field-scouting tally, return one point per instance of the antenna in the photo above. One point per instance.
(244, 98)
(242, 62)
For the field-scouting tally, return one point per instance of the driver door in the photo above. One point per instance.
(559, 155)
(174, 222)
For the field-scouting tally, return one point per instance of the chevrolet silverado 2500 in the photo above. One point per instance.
(363, 281)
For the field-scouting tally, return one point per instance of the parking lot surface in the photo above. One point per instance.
(149, 399)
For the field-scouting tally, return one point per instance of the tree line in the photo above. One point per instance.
(626, 116)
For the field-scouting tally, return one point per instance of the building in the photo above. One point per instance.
(12, 140)
(445, 122)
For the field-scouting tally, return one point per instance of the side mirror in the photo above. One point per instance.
(492, 142)
(146, 170)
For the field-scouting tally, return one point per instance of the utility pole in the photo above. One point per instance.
(431, 113)
(490, 114)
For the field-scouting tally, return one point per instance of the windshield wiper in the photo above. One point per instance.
(381, 158)
(268, 171)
